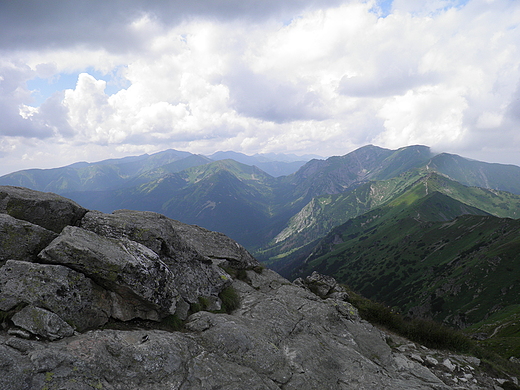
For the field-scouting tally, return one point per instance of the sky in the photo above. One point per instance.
(90, 80)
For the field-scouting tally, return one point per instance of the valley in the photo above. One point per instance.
(431, 235)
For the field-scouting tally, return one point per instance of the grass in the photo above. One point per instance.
(425, 332)
(230, 299)
(432, 334)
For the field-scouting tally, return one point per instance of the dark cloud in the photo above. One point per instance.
(260, 96)
(37, 24)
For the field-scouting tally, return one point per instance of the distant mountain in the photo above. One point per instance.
(477, 173)
(274, 164)
(272, 216)
(97, 176)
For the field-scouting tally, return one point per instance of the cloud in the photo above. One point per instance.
(271, 99)
(13, 94)
(117, 25)
(272, 76)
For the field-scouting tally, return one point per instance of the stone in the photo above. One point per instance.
(431, 361)
(122, 266)
(61, 290)
(21, 240)
(42, 322)
(216, 246)
(324, 286)
(194, 274)
(47, 210)
(449, 365)
(417, 358)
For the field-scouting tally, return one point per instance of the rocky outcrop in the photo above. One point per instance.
(194, 272)
(45, 209)
(100, 306)
(21, 240)
(127, 268)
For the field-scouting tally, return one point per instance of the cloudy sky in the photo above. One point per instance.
(89, 80)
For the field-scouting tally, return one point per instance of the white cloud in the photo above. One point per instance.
(441, 73)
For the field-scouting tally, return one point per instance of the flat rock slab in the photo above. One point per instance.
(43, 323)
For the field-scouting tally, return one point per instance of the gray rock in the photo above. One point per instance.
(170, 238)
(42, 322)
(122, 266)
(449, 365)
(19, 333)
(21, 240)
(431, 361)
(215, 245)
(17, 372)
(61, 290)
(195, 274)
(47, 210)
(324, 286)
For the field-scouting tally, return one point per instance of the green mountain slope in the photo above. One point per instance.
(323, 213)
(477, 173)
(99, 176)
(411, 255)
(339, 174)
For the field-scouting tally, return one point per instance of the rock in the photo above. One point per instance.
(19, 333)
(195, 275)
(47, 210)
(324, 286)
(17, 373)
(431, 361)
(216, 246)
(417, 358)
(449, 365)
(42, 322)
(61, 290)
(123, 266)
(21, 240)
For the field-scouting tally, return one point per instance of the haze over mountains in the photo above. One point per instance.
(423, 232)
(249, 199)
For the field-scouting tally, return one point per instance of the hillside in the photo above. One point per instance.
(417, 255)
(323, 213)
(284, 215)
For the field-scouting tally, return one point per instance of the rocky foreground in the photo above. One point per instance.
(91, 300)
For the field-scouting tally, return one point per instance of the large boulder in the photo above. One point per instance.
(48, 210)
(195, 274)
(123, 266)
(21, 240)
(71, 295)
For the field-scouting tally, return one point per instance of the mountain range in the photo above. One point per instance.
(433, 235)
